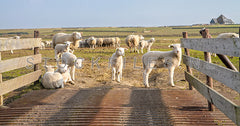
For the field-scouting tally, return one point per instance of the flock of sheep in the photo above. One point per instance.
(64, 45)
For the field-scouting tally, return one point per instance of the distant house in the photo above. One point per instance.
(221, 20)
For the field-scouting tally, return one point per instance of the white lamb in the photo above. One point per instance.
(60, 48)
(64, 70)
(91, 42)
(52, 79)
(160, 59)
(60, 38)
(72, 61)
(146, 43)
(132, 41)
(228, 35)
(116, 62)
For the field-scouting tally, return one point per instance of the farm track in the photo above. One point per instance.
(112, 106)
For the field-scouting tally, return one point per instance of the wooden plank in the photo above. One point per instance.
(225, 46)
(13, 44)
(224, 75)
(18, 82)
(230, 109)
(15, 63)
(1, 97)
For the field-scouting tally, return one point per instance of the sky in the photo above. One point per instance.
(17, 14)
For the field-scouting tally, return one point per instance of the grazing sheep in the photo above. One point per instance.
(60, 48)
(52, 79)
(132, 41)
(109, 42)
(99, 42)
(228, 35)
(72, 61)
(116, 62)
(159, 59)
(147, 43)
(91, 42)
(60, 38)
(117, 41)
(64, 70)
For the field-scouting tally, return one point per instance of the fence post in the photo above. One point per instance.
(1, 97)
(36, 51)
(186, 50)
(207, 58)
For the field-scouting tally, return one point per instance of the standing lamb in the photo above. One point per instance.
(91, 42)
(116, 62)
(60, 48)
(72, 61)
(99, 42)
(60, 38)
(146, 43)
(132, 41)
(52, 79)
(160, 59)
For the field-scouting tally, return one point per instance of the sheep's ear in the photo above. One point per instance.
(170, 46)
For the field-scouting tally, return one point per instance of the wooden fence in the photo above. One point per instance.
(230, 78)
(16, 63)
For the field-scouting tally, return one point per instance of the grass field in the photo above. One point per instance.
(92, 76)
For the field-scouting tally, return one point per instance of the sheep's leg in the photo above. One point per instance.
(113, 73)
(171, 73)
(142, 50)
(146, 73)
(136, 50)
(72, 72)
(118, 76)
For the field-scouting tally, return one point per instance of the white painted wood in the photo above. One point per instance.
(224, 75)
(13, 44)
(230, 109)
(225, 46)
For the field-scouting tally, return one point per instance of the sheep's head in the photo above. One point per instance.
(49, 68)
(120, 51)
(68, 43)
(234, 35)
(91, 38)
(62, 68)
(141, 37)
(76, 35)
(78, 63)
(152, 40)
(176, 48)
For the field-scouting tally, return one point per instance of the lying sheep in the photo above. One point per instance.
(99, 42)
(228, 35)
(159, 59)
(91, 42)
(146, 43)
(72, 61)
(132, 41)
(64, 70)
(52, 79)
(116, 62)
(60, 38)
(60, 48)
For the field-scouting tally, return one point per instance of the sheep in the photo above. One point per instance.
(60, 38)
(109, 42)
(60, 48)
(228, 35)
(42, 45)
(160, 59)
(116, 62)
(99, 42)
(52, 79)
(91, 42)
(117, 41)
(64, 70)
(15, 37)
(132, 41)
(47, 43)
(72, 61)
(147, 43)
(83, 44)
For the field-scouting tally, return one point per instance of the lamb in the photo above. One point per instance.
(64, 70)
(72, 61)
(60, 38)
(147, 43)
(228, 35)
(60, 48)
(160, 59)
(132, 41)
(99, 42)
(116, 62)
(52, 79)
(91, 42)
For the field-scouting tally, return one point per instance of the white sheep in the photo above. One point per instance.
(60, 38)
(60, 48)
(72, 61)
(228, 35)
(117, 41)
(64, 70)
(91, 42)
(132, 41)
(146, 43)
(52, 79)
(109, 42)
(116, 62)
(99, 42)
(160, 59)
